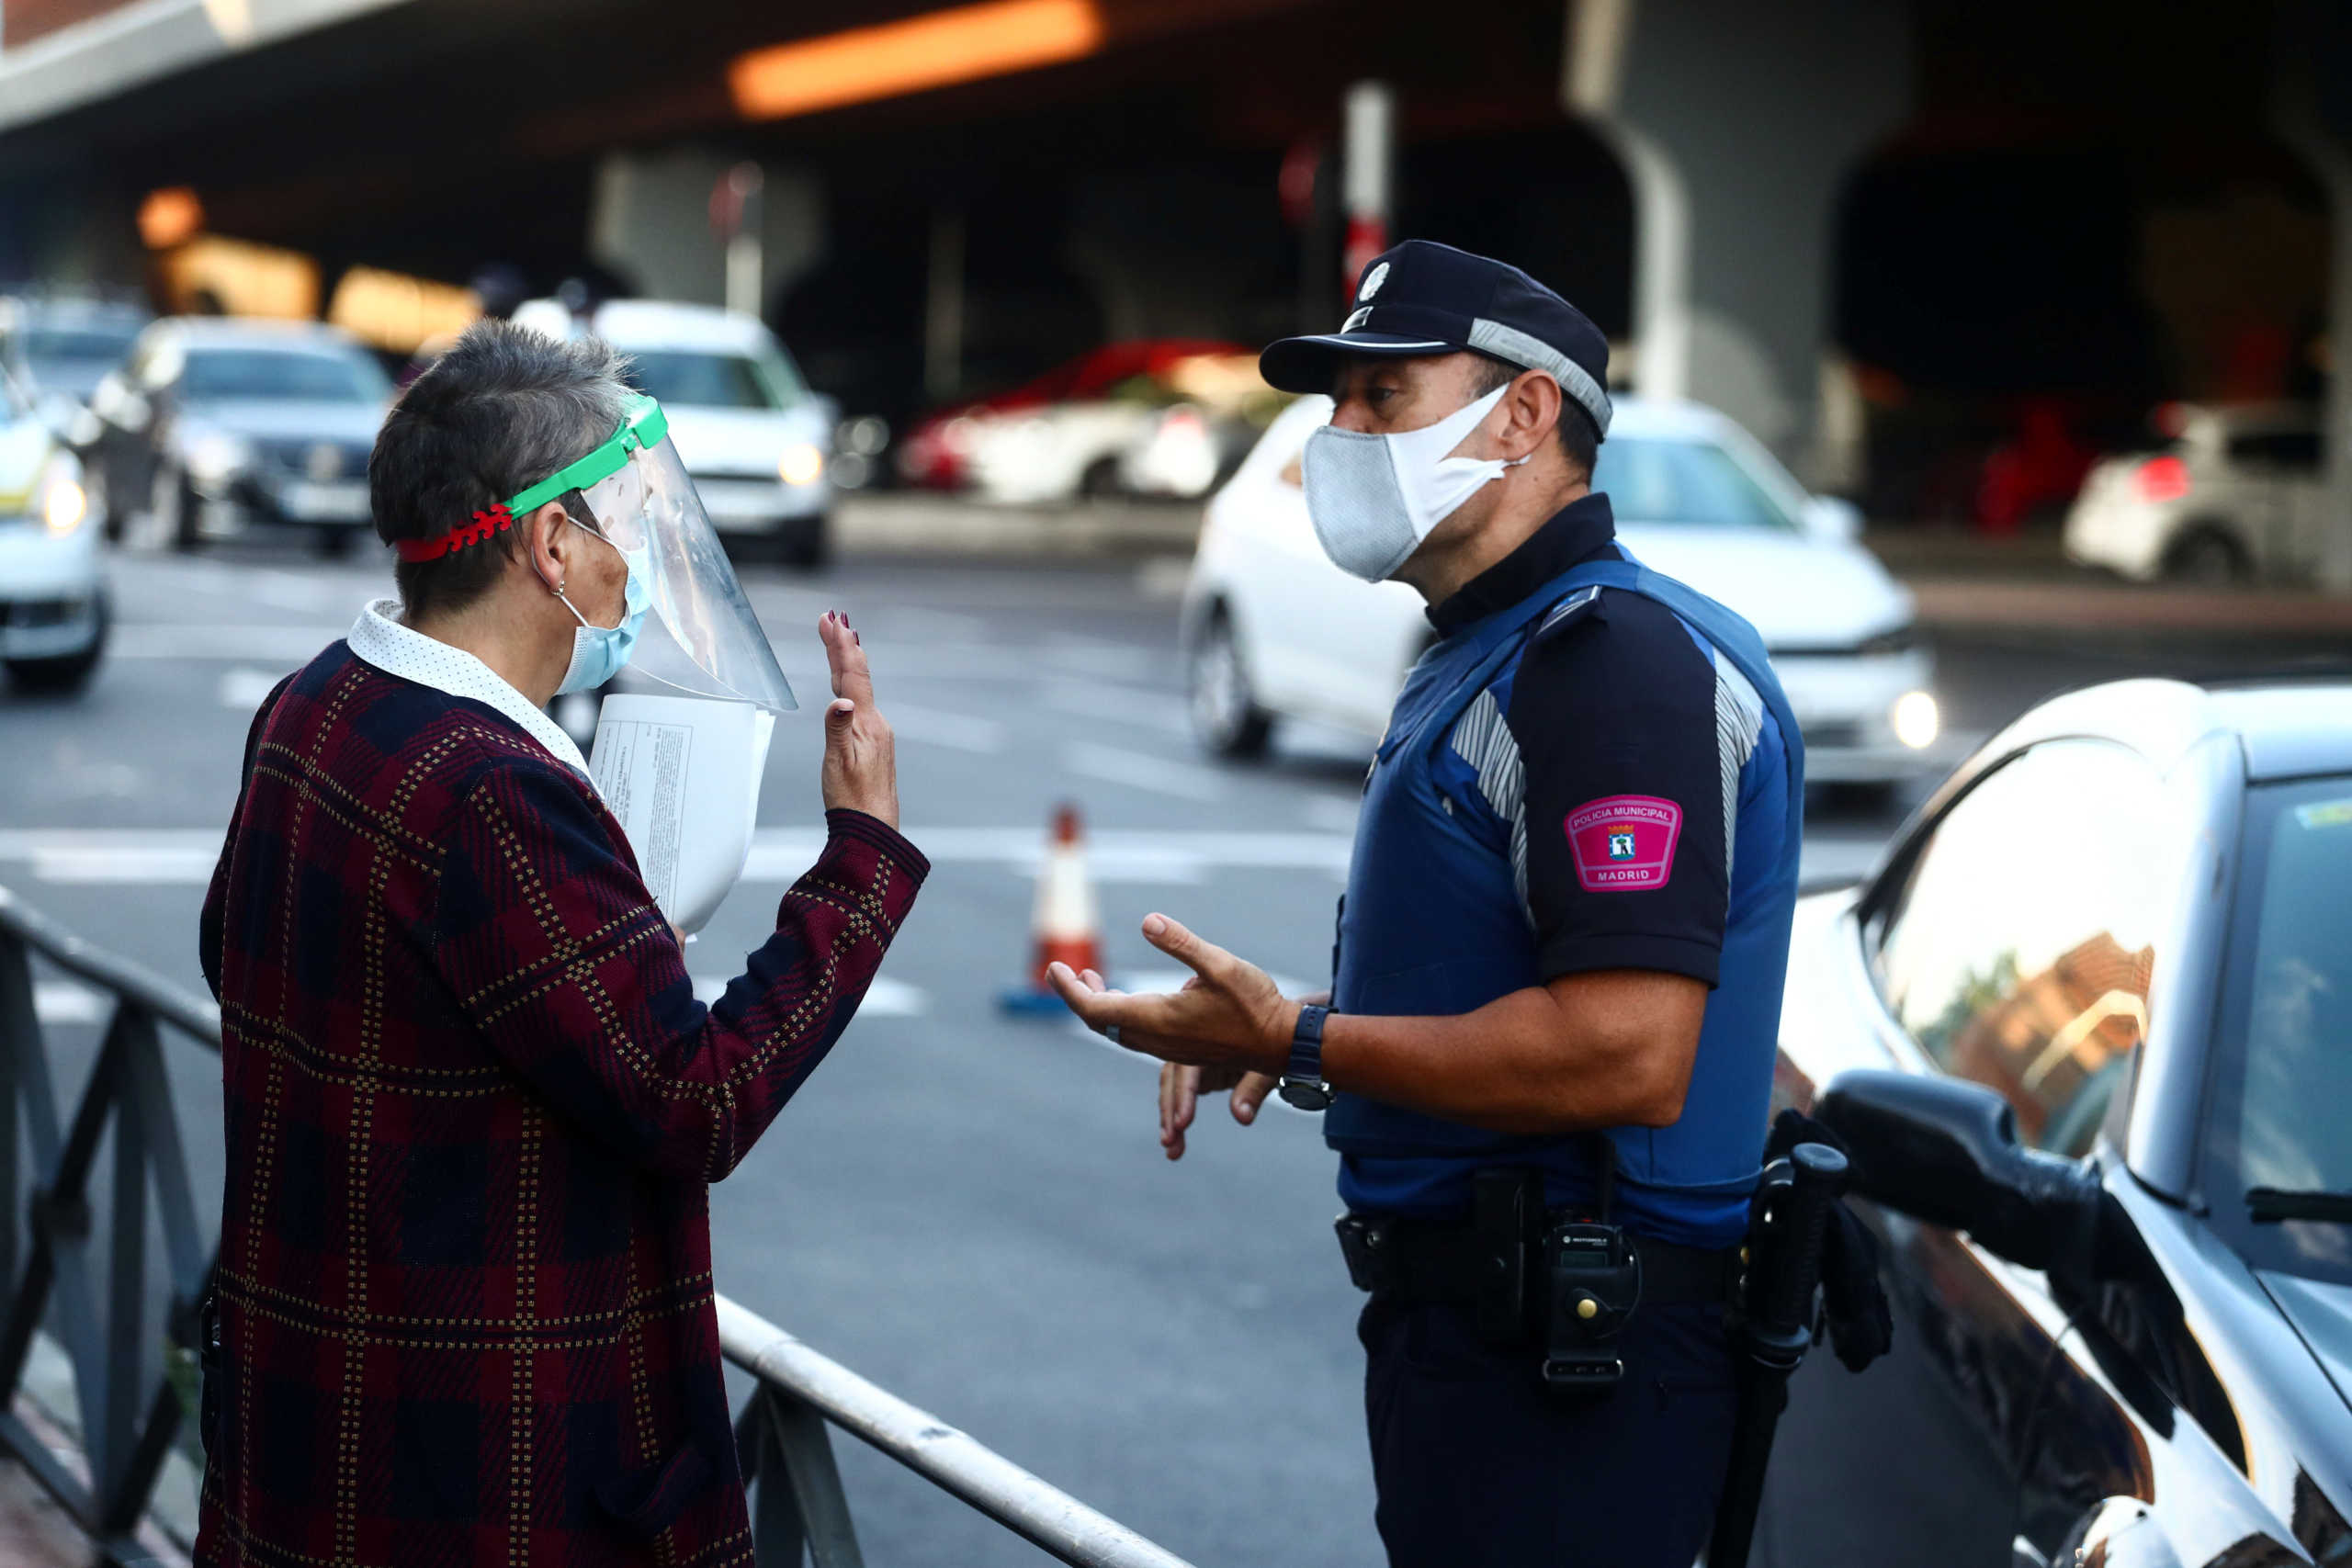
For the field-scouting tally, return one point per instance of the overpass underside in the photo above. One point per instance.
(1873, 233)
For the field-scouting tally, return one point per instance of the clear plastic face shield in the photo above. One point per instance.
(639, 499)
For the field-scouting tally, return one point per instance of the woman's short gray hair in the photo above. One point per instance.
(502, 409)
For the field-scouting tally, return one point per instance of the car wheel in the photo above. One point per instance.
(175, 508)
(332, 543)
(1217, 692)
(2207, 557)
(67, 675)
(807, 545)
(94, 486)
(1101, 479)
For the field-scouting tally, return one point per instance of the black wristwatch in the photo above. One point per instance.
(1302, 1084)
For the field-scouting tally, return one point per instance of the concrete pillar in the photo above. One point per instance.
(942, 313)
(649, 220)
(1737, 125)
(2311, 111)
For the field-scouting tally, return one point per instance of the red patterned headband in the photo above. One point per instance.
(497, 520)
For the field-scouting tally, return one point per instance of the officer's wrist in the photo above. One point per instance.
(1273, 1050)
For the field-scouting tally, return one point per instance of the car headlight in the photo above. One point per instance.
(1915, 719)
(64, 507)
(802, 464)
(216, 456)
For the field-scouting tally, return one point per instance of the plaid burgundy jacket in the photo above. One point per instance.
(472, 1107)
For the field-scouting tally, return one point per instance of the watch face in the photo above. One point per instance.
(1307, 1096)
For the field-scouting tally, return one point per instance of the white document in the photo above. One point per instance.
(683, 776)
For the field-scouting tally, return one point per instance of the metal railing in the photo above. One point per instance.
(130, 1381)
(130, 1406)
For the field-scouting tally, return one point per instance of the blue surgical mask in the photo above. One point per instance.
(599, 653)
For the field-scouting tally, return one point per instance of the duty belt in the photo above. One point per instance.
(1416, 1262)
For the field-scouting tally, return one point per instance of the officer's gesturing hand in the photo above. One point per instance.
(1229, 1018)
(860, 772)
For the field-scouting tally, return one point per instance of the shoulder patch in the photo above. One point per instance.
(1623, 843)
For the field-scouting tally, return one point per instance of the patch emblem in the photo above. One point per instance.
(1624, 843)
(1372, 282)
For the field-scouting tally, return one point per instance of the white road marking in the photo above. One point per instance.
(1161, 711)
(184, 855)
(1332, 814)
(917, 626)
(885, 997)
(1095, 656)
(257, 644)
(1140, 771)
(934, 727)
(67, 1001)
(242, 687)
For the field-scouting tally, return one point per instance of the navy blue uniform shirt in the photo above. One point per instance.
(1614, 700)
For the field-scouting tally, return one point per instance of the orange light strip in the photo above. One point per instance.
(937, 50)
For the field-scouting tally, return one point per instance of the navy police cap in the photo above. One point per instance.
(1421, 297)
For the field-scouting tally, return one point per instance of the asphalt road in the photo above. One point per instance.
(969, 1208)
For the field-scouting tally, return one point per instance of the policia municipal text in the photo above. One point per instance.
(1548, 1053)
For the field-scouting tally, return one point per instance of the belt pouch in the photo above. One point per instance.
(1507, 1217)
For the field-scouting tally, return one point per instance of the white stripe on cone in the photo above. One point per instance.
(1067, 925)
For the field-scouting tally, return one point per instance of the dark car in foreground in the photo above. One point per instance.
(2088, 1034)
(214, 426)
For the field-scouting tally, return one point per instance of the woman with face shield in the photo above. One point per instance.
(473, 1104)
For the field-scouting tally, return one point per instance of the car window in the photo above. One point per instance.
(2283, 1082)
(701, 378)
(64, 343)
(2277, 449)
(2018, 949)
(278, 375)
(1651, 479)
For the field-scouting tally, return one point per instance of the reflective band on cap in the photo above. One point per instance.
(497, 520)
(1534, 354)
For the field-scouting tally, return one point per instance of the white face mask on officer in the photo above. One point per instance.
(1374, 498)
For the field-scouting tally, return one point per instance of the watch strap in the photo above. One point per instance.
(1306, 1045)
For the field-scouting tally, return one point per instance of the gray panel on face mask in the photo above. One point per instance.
(1354, 503)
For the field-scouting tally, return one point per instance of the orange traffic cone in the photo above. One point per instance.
(1067, 928)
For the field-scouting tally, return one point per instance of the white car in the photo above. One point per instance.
(1273, 629)
(753, 437)
(52, 578)
(1045, 455)
(2238, 493)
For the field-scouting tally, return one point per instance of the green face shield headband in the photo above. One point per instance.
(643, 425)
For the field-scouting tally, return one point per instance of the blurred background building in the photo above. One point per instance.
(1940, 256)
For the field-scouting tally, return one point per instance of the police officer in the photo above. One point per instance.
(1548, 1053)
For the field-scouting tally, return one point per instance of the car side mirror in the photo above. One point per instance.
(1832, 519)
(1946, 1151)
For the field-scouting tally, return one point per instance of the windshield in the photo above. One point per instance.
(280, 374)
(699, 379)
(2282, 1112)
(71, 343)
(1689, 482)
